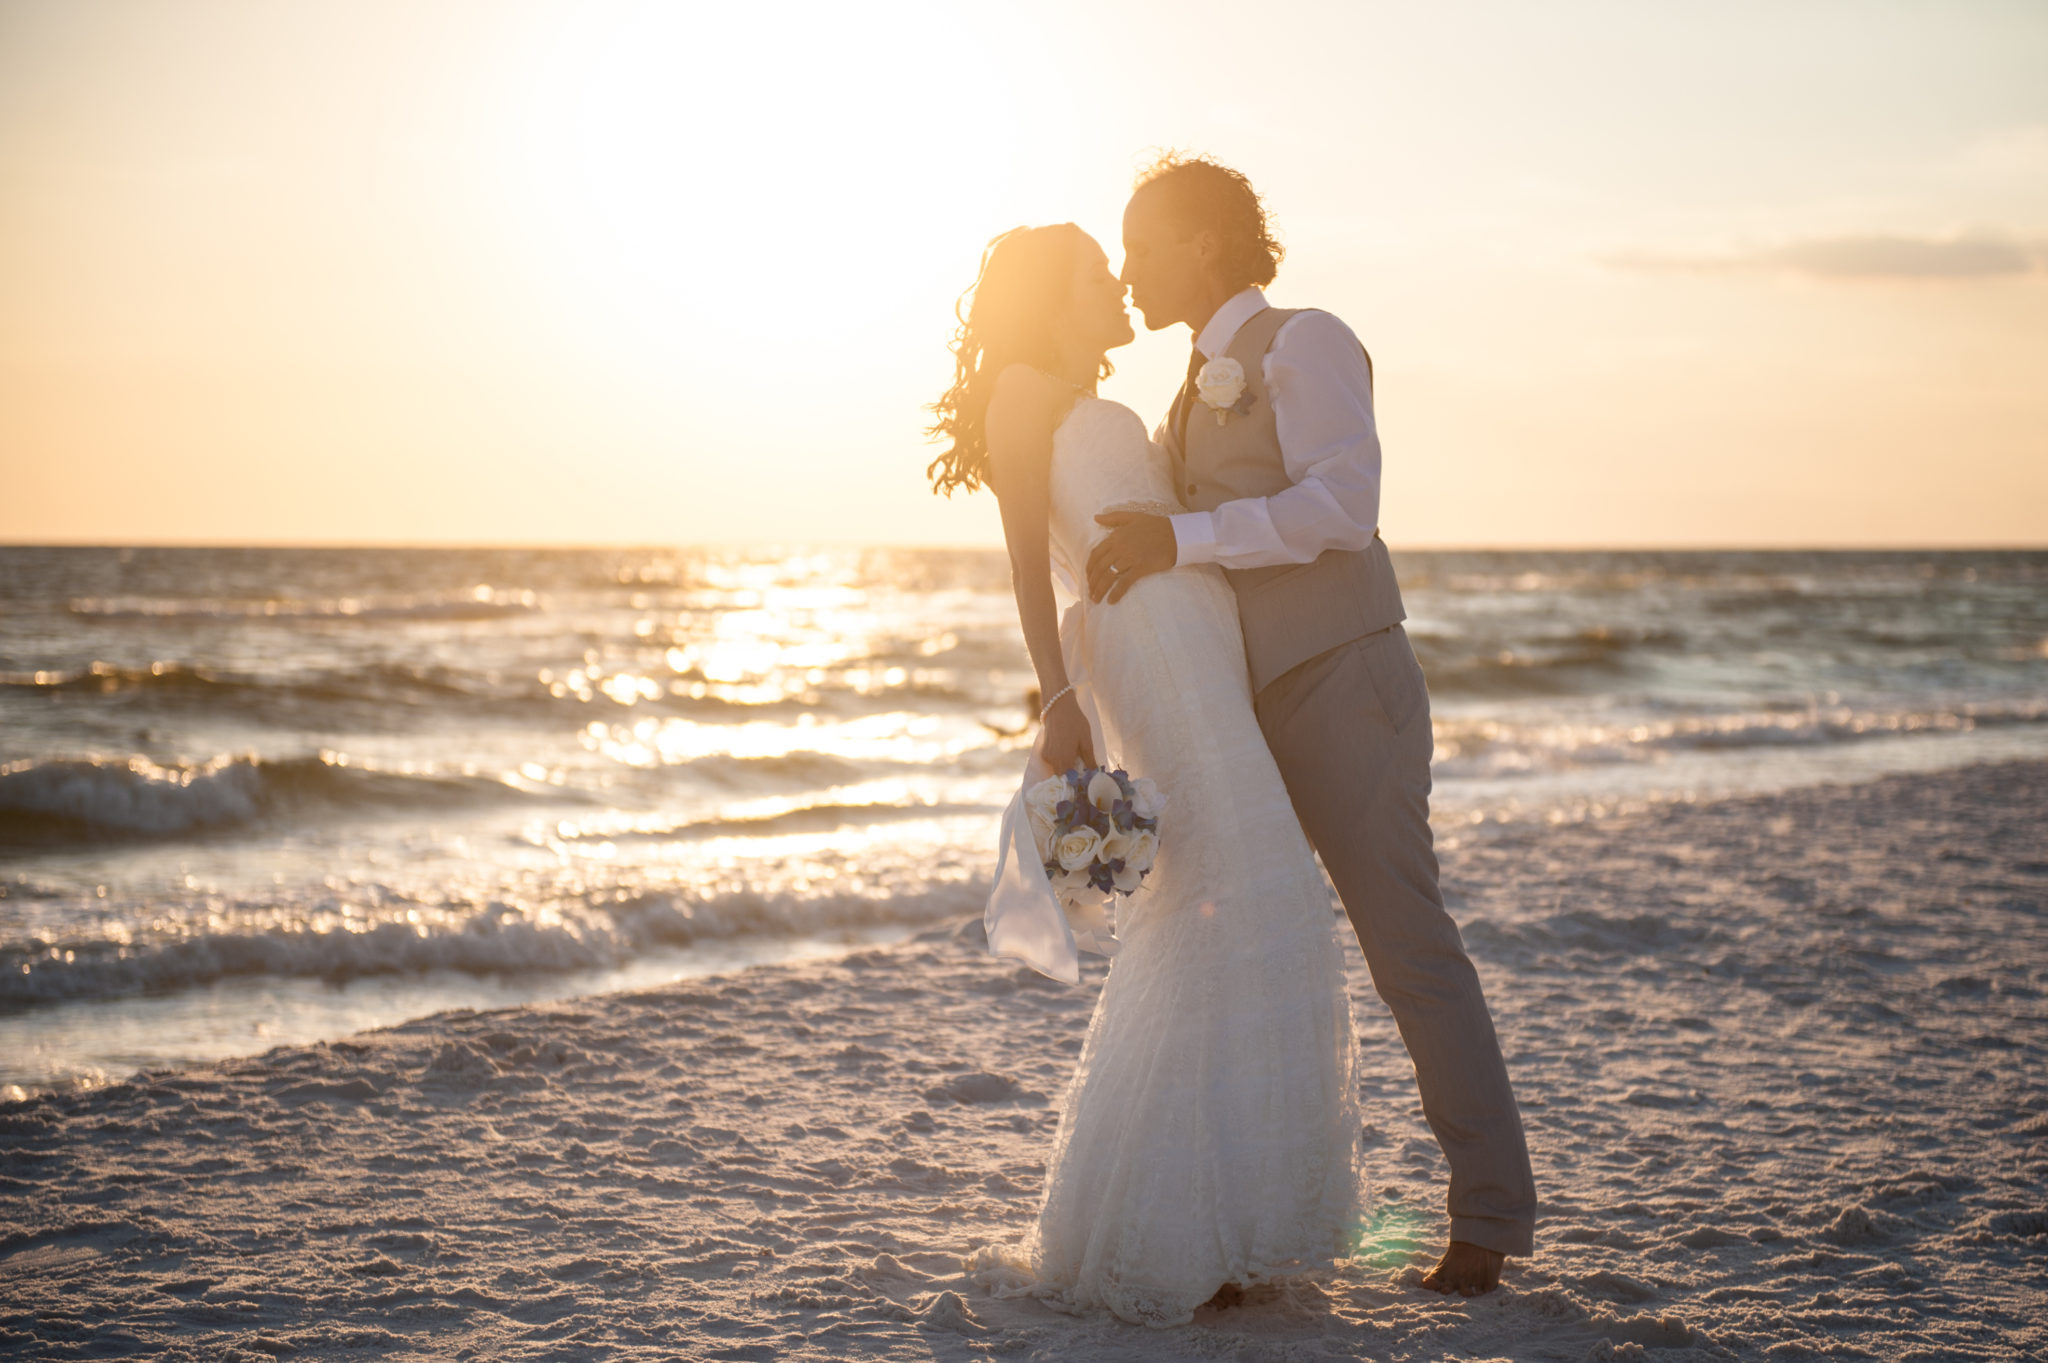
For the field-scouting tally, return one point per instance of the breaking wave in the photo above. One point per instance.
(491, 939)
(73, 800)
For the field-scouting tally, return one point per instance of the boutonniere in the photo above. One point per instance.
(1220, 386)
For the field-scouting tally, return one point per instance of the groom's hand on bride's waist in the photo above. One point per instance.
(1136, 546)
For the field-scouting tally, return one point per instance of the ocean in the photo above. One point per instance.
(251, 797)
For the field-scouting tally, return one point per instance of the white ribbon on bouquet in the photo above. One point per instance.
(1025, 918)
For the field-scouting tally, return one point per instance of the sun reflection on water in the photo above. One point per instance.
(898, 736)
(535, 762)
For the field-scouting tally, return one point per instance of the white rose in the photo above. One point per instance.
(1221, 383)
(1075, 887)
(1103, 791)
(1142, 851)
(1077, 849)
(1041, 806)
(1146, 801)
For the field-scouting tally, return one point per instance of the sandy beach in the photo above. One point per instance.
(1781, 1060)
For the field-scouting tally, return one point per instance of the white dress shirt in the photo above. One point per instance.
(1321, 389)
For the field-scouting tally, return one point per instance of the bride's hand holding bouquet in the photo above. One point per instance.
(1065, 741)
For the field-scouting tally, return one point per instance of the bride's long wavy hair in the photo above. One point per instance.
(1011, 315)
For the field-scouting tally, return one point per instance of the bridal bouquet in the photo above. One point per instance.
(1097, 831)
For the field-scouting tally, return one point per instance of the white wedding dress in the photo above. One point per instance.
(1211, 1131)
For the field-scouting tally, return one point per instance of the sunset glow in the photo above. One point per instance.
(639, 273)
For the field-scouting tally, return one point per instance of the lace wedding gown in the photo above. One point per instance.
(1210, 1132)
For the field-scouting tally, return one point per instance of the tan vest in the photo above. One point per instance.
(1290, 611)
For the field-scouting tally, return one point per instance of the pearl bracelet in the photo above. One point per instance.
(1054, 701)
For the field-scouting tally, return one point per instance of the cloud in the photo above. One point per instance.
(1969, 255)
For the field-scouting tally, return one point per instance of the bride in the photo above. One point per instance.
(1209, 1137)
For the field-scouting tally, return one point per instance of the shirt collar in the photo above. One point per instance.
(1229, 319)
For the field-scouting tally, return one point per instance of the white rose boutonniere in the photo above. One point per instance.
(1220, 386)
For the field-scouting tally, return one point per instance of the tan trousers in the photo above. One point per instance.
(1350, 731)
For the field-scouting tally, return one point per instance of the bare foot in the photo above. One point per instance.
(1465, 1269)
(1230, 1294)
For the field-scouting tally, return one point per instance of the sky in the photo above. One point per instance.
(1682, 274)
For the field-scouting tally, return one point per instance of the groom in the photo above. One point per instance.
(1275, 451)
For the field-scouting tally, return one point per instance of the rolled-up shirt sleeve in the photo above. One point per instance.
(1320, 384)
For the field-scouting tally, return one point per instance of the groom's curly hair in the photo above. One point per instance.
(1201, 192)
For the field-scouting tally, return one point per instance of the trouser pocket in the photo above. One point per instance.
(1396, 677)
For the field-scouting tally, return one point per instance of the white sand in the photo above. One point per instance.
(1782, 1061)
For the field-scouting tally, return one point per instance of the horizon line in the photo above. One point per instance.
(1616, 547)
